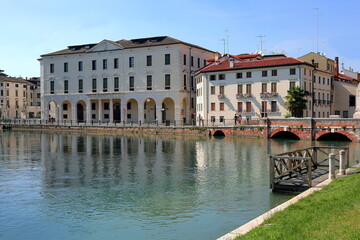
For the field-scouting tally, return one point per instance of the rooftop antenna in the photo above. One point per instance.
(224, 42)
(261, 41)
(227, 40)
(317, 28)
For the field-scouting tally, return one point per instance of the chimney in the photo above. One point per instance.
(217, 56)
(231, 62)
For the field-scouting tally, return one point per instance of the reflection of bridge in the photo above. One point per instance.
(301, 128)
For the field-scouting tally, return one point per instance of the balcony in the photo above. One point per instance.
(243, 95)
(221, 96)
(268, 94)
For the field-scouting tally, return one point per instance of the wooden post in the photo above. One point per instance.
(331, 166)
(342, 162)
(272, 172)
(309, 172)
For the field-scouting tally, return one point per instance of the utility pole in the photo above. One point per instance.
(261, 41)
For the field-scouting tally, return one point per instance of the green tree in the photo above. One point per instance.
(2, 73)
(295, 101)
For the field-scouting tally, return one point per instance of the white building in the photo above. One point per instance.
(253, 86)
(134, 80)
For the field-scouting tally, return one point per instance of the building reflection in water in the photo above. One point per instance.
(129, 177)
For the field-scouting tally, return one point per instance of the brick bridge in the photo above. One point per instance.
(297, 128)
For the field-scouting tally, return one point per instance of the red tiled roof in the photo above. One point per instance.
(345, 77)
(225, 65)
(246, 55)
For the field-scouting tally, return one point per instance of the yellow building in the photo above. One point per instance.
(19, 98)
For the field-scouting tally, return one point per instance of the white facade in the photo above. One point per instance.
(134, 81)
(255, 88)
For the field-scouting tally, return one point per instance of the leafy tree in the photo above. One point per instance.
(295, 101)
(2, 73)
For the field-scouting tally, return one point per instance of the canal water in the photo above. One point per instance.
(76, 186)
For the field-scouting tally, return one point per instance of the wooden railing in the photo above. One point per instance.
(297, 167)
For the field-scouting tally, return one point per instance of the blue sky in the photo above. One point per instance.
(31, 28)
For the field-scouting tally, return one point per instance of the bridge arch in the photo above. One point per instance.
(219, 133)
(334, 136)
(280, 133)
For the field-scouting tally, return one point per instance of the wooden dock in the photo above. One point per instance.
(303, 168)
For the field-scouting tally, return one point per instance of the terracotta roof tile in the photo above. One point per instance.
(252, 64)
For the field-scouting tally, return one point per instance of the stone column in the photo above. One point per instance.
(342, 162)
(100, 110)
(158, 113)
(111, 107)
(123, 110)
(88, 111)
(73, 111)
(59, 112)
(141, 112)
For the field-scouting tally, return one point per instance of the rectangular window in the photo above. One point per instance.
(94, 87)
(274, 72)
(204, 62)
(239, 89)
(221, 106)
(131, 83)
(167, 59)
(212, 106)
(148, 82)
(80, 86)
(319, 79)
(105, 84)
(192, 61)
(149, 60)
(292, 85)
(239, 75)
(65, 107)
(2, 92)
(52, 87)
(240, 106)
(248, 88)
(273, 106)
(116, 63)
(273, 87)
(248, 107)
(352, 100)
(212, 90)
(106, 106)
(185, 81)
(52, 68)
(304, 71)
(345, 114)
(66, 67)
(131, 62)
(80, 66)
(198, 62)
(167, 81)
(264, 73)
(93, 106)
(221, 76)
(248, 74)
(66, 86)
(292, 71)
(221, 90)
(212, 77)
(184, 59)
(264, 87)
(93, 64)
(116, 84)
(104, 64)
(16, 93)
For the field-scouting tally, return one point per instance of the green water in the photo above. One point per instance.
(74, 186)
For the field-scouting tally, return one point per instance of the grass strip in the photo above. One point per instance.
(332, 213)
